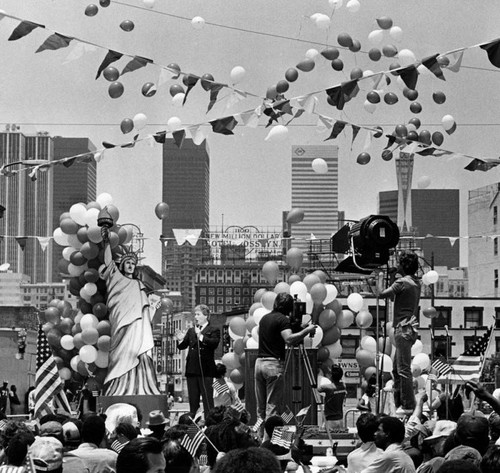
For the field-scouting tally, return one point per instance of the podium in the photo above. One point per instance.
(298, 392)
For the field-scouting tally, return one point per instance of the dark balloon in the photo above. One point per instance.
(282, 86)
(425, 137)
(412, 135)
(387, 155)
(127, 25)
(291, 75)
(401, 131)
(207, 81)
(330, 53)
(337, 64)
(111, 73)
(374, 54)
(104, 3)
(439, 97)
(91, 10)
(126, 126)
(379, 133)
(344, 40)
(356, 73)
(389, 50)
(271, 93)
(176, 89)
(306, 65)
(415, 107)
(148, 89)
(390, 98)
(373, 97)
(437, 138)
(189, 80)
(355, 46)
(415, 122)
(115, 90)
(363, 158)
(412, 95)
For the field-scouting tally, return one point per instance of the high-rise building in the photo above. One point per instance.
(316, 194)
(484, 230)
(33, 206)
(186, 181)
(434, 212)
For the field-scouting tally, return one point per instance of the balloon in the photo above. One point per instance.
(375, 37)
(127, 25)
(373, 97)
(401, 131)
(422, 360)
(406, 57)
(355, 46)
(77, 213)
(327, 319)
(322, 21)
(310, 280)
(67, 342)
(270, 271)
(236, 376)
(298, 289)
(369, 107)
(89, 321)
(389, 50)
(65, 373)
(282, 287)
(282, 86)
(318, 292)
(69, 226)
(364, 319)
(313, 342)
(385, 363)
(259, 313)
(439, 97)
(231, 361)
(238, 326)
(319, 166)
(115, 90)
(415, 107)
(88, 354)
(337, 64)
(384, 22)
(207, 81)
(237, 74)
(294, 277)
(330, 53)
(104, 3)
(148, 3)
(91, 10)
(127, 125)
(90, 336)
(375, 54)
(250, 323)
(306, 65)
(104, 343)
(239, 346)
(448, 122)
(295, 216)
(363, 158)
(368, 343)
(355, 302)
(162, 210)
(344, 39)
(294, 258)
(335, 349)
(390, 98)
(365, 358)
(268, 299)
(396, 33)
(140, 121)
(416, 371)
(345, 319)
(198, 22)
(417, 348)
(432, 276)
(104, 328)
(323, 354)
(430, 312)
(291, 74)
(331, 293)
(423, 182)
(437, 138)
(425, 137)
(94, 234)
(255, 305)
(277, 133)
(356, 73)
(255, 333)
(111, 73)
(174, 123)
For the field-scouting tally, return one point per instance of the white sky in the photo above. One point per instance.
(250, 177)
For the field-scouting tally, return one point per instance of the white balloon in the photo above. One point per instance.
(396, 33)
(104, 199)
(174, 123)
(376, 37)
(335, 3)
(198, 22)
(369, 343)
(67, 252)
(149, 3)
(259, 313)
(76, 270)
(237, 74)
(91, 217)
(353, 6)
(331, 293)
(199, 135)
(448, 122)
(425, 279)
(312, 53)
(423, 182)
(88, 354)
(322, 21)
(77, 212)
(309, 303)
(67, 342)
(255, 333)
(319, 166)
(277, 133)
(299, 289)
(355, 302)
(406, 57)
(89, 321)
(74, 241)
(432, 276)
(252, 343)
(422, 360)
(417, 348)
(369, 107)
(178, 100)
(385, 363)
(60, 237)
(140, 121)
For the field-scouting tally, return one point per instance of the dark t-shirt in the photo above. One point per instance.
(334, 402)
(271, 343)
(406, 297)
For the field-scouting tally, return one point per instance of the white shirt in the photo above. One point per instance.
(363, 456)
(392, 460)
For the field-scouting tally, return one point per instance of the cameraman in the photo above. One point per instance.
(275, 332)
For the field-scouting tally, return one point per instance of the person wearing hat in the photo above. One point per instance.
(46, 453)
(157, 424)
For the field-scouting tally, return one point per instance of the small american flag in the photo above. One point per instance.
(287, 416)
(117, 446)
(283, 436)
(192, 440)
(238, 406)
(220, 387)
(259, 422)
(441, 368)
(48, 384)
(3, 423)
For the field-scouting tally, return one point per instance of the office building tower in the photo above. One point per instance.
(186, 181)
(434, 213)
(316, 194)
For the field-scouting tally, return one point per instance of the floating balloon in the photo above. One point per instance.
(127, 25)
(282, 86)
(127, 125)
(365, 358)
(368, 343)
(353, 6)
(331, 335)
(268, 299)
(401, 131)
(299, 289)
(364, 319)
(306, 65)
(430, 312)
(291, 74)
(270, 271)
(148, 89)
(448, 122)
(417, 348)
(422, 360)
(162, 210)
(282, 287)
(416, 371)
(396, 33)
(104, 3)
(363, 158)
(384, 22)
(432, 276)
(321, 20)
(91, 10)
(385, 364)
(330, 53)
(277, 133)
(373, 97)
(294, 258)
(258, 295)
(320, 166)
(327, 319)
(344, 39)
(174, 123)
(375, 37)
(148, 3)
(437, 138)
(389, 50)
(390, 98)
(115, 90)
(331, 293)
(318, 293)
(345, 319)
(355, 302)
(407, 57)
(374, 54)
(88, 354)
(238, 326)
(415, 107)
(355, 46)
(198, 22)
(439, 97)
(295, 216)
(237, 74)
(423, 182)
(337, 64)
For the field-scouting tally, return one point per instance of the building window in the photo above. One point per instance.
(349, 346)
(229, 291)
(203, 300)
(495, 215)
(473, 317)
(442, 347)
(443, 317)
(211, 300)
(203, 291)
(497, 317)
(497, 344)
(211, 291)
(237, 291)
(220, 300)
(220, 291)
(495, 278)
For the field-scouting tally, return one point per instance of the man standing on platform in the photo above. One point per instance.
(202, 340)
(275, 332)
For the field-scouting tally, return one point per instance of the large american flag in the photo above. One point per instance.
(49, 387)
(467, 366)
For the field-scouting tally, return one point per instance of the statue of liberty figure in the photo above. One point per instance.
(131, 369)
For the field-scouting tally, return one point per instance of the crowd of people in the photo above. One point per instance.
(96, 443)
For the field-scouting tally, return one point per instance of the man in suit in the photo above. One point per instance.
(201, 340)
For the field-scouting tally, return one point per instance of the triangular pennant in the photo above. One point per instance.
(111, 57)
(23, 29)
(337, 129)
(391, 140)
(431, 63)
(409, 75)
(308, 103)
(493, 50)
(164, 77)
(376, 78)
(457, 60)
(214, 93)
(193, 237)
(44, 242)
(336, 98)
(180, 235)
(160, 137)
(21, 241)
(368, 140)
(179, 136)
(108, 145)
(78, 51)
(69, 162)
(427, 151)
(355, 131)
(224, 125)
(452, 240)
(54, 42)
(480, 165)
(192, 81)
(136, 63)
(130, 144)
(327, 121)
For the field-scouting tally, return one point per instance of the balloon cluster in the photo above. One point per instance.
(80, 339)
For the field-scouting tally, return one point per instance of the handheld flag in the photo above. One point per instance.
(192, 440)
(283, 436)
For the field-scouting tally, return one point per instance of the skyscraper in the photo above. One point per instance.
(33, 206)
(434, 212)
(186, 189)
(316, 194)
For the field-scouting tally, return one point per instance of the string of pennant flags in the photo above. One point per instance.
(338, 95)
